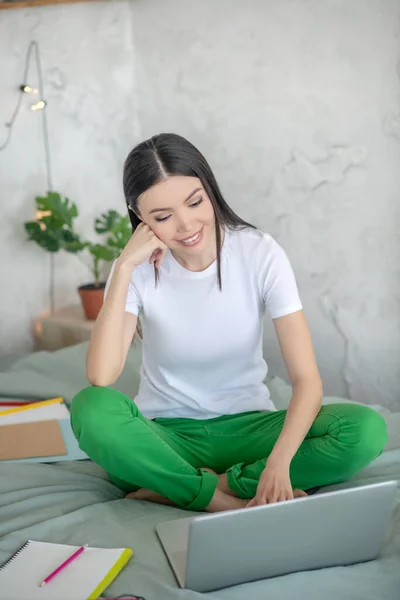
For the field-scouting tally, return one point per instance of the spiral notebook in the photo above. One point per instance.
(83, 579)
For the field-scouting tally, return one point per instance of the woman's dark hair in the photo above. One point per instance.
(165, 155)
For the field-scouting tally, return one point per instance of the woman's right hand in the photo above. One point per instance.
(143, 245)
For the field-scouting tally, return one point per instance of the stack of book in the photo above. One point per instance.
(37, 432)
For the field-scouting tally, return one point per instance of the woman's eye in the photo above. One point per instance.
(162, 219)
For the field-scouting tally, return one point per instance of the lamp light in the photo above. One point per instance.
(39, 105)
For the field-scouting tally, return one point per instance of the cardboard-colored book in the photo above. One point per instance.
(30, 440)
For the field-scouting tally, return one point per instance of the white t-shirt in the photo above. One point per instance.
(202, 348)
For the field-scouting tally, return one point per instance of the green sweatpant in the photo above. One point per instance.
(167, 455)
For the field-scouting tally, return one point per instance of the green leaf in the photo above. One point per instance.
(54, 231)
(106, 222)
(101, 252)
(74, 247)
(71, 242)
(32, 227)
(45, 238)
(63, 212)
(120, 240)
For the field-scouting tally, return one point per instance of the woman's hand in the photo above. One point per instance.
(143, 245)
(274, 486)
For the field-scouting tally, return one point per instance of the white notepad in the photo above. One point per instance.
(31, 413)
(85, 578)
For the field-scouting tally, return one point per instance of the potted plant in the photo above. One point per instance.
(53, 230)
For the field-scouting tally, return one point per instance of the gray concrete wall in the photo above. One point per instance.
(90, 86)
(295, 104)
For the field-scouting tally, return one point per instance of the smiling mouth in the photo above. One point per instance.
(192, 240)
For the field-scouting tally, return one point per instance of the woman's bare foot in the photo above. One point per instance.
(222, 482)
(221, 502)
(224, 486)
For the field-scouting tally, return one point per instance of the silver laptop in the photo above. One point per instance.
(213, 551)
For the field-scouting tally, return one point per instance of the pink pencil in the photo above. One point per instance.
(64, 564)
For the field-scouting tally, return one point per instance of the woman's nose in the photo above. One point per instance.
(184, 224)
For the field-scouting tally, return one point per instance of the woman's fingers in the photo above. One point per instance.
(299, 494)
(157, 256)
(160, 257)
(252, 502)
(153, 256)
(272, 497)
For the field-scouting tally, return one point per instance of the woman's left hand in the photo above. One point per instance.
(274, 485)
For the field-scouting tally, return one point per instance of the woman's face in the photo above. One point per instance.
(180, 213)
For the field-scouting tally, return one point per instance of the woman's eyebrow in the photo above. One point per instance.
(154, 210)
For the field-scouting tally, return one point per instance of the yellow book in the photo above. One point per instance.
(85, 577)
(111, 575)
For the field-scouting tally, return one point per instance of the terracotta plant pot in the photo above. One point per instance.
(92, 297)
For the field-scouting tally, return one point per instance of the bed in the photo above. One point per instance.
(73, 503)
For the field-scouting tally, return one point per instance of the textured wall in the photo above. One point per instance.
(89, 81)
(296, 106)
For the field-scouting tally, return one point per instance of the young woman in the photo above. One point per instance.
(202, 432)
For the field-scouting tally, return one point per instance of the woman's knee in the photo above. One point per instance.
(361, 433)
(93, 406)
(359, 429)
(373, 435)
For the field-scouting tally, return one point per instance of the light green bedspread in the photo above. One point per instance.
(74, 503)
